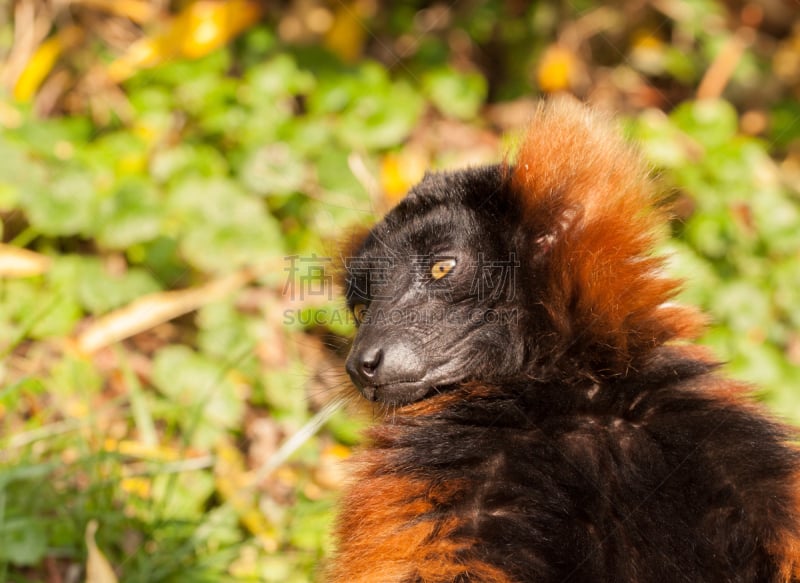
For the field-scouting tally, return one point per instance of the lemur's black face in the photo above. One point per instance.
(433, 289)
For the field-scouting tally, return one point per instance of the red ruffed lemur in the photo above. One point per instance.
(546, 418)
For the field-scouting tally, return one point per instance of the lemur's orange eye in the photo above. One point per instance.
(360, 312)
(442, 268)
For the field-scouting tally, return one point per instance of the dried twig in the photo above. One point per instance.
(721, 70)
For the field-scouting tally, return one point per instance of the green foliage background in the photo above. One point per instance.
(271, 146)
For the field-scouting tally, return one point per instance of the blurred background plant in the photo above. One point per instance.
(174, 177)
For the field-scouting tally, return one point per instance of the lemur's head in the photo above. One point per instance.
(434, 288)
(519, 270)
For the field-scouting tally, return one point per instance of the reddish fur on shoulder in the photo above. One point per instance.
(787, 547)
(588, 191)
(388, 535)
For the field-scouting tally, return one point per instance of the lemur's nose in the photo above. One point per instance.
(364, 366)
(370, 361)
(374, 363)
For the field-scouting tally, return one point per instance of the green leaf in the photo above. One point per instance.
(204, 95)
(187, 160)
(347, 429)
(101, 291)
(709, 233)
(455, 94)
(335, 177)
(306, 136)
(661, 141)
(10, 395)
(225, 248)
(283, 391)
(40, 308)
(310, 525)
(273, 169)
(785, 126)
(17, 173)
(712, 122)
(224, 228)
(681, 65)
(151, 98)
(375, 121)
(216, 200)
(131, 215)
(44, 138)
(174, 73)
(180, 499)
(23, 541)
(68, 206)
(161, 258)
(203, 390)
(114, 155)
(220, 528)
(701, 281)
(72, 376)
(756, 361)
(224, 331)
(367, 104)
(279, 77)
(743, 306)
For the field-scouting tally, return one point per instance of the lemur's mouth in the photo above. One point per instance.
(397, 393)
(404, 392)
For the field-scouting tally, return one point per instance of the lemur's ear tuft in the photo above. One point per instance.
(588, 200)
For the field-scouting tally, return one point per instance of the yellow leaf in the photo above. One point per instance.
(144, 53)
(556, 69)
(348, 34)
(648, 52)
(399, 172)
(98, 569)
(43, 60)
(336, 452)
(208, 24)
(645, 39)
(198, 29)
(17, 262)
(235, 487)
(330, 473)
(139, 450)
(139, 487)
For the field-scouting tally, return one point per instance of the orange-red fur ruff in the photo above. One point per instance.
(589, 190)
